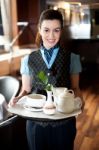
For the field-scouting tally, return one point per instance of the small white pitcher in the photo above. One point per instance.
(49, 106)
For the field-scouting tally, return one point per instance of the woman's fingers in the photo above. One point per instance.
(13, 101)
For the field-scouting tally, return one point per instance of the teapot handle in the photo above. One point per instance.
(78, 103)
(71, 91)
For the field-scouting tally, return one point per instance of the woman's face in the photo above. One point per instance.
(50, 31)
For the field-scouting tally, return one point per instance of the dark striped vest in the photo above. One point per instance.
(58, 74)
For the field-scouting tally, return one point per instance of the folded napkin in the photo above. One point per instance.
(32, 102)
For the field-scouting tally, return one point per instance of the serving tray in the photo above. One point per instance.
(40, 115)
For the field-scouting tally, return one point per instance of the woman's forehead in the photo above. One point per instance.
(51, 23)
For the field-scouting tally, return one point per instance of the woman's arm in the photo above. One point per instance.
(25, 89)
(26, 80)
(26, 83)
(75, 84)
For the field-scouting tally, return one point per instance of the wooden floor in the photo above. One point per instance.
(87, 137)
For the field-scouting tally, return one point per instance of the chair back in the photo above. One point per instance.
(9, 87)
(12, 130)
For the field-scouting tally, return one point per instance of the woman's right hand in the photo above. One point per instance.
(13, 101)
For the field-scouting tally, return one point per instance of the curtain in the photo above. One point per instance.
(6, 22)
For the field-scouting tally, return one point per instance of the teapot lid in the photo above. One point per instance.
(64, 93)
(67, 93)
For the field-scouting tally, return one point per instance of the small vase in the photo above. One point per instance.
(49, 107)
(49, 97)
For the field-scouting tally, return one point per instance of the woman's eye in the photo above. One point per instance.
(57, 30)
(46, 30)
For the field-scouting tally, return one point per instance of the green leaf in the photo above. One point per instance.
(43, 77)
(49, 87)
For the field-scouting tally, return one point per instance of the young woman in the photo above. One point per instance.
(62, 68)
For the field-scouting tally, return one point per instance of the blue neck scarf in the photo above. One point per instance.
(48, 52)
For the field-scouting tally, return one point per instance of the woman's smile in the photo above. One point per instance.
(51, 42)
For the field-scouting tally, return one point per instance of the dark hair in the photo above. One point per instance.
(51, 14)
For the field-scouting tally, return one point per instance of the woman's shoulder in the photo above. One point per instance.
(75, 63)
(75, 58)
(75, 55)
(26, 57)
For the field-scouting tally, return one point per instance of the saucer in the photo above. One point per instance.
(30, 108)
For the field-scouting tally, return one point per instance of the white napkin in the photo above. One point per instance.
(27, 101)
(22, 100)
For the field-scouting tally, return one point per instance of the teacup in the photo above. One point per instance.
(34, 100)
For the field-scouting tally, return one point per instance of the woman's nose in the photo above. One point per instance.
(51, 34)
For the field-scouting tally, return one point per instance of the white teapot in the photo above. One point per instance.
(65, 100)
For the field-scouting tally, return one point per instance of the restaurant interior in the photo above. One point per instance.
(18, 28)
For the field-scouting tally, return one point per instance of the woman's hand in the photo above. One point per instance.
(13, 101)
